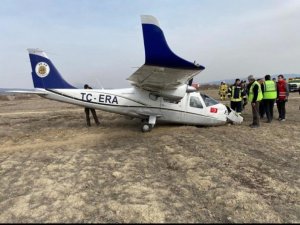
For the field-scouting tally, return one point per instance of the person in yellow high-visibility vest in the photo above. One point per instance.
(262, 111)
(269, 96)
(254, 97)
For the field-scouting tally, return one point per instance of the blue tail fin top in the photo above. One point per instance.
(157, 51)
(44, 73)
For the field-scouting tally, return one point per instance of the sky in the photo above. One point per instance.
(100, 42)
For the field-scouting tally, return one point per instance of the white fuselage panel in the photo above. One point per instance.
(136, 102)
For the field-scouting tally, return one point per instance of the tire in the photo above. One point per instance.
(146, 127)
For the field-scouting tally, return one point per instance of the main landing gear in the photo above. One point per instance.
(147, 125)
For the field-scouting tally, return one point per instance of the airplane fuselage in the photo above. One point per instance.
(138, 103)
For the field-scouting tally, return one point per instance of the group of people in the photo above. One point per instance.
(262, 94)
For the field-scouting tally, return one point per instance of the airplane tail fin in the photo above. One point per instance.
(157, 51)
(44, 74)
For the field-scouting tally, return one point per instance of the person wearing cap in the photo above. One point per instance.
(87, 112)
(254, 97)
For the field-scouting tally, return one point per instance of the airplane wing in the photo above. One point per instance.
(163, 69)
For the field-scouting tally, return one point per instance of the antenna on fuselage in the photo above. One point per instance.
(99, 83)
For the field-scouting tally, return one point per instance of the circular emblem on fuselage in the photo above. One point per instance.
(42, 69)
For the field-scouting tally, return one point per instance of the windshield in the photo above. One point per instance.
(208, 100)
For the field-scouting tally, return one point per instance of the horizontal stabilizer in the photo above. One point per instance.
(8, 91)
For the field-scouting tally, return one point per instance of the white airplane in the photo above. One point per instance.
(161, 87)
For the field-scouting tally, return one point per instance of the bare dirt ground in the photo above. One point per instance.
(55, 169)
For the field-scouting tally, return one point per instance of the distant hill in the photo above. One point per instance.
(231, 81)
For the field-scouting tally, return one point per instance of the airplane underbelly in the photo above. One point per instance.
(202, 119)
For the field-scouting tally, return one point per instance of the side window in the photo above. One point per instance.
(195, 102)
(208, 100)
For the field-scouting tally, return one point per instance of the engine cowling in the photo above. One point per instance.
(175, 94)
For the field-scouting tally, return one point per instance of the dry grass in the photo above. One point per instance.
(54, 169)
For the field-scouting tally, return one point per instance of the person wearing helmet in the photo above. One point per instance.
(223, 90)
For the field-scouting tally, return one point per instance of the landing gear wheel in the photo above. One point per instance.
(146, 127)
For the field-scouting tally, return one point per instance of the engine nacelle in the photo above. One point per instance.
(175, 94)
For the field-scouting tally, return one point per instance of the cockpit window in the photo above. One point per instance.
(195, 102)
(208, 100)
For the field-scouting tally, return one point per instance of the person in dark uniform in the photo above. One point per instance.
(254, 97)
(87, 112)
(244, 89)
(236, 94)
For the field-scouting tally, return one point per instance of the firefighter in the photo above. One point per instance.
(223, 90)
(236, 94)
(269, 97)
(244, 89)
(255, 96)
